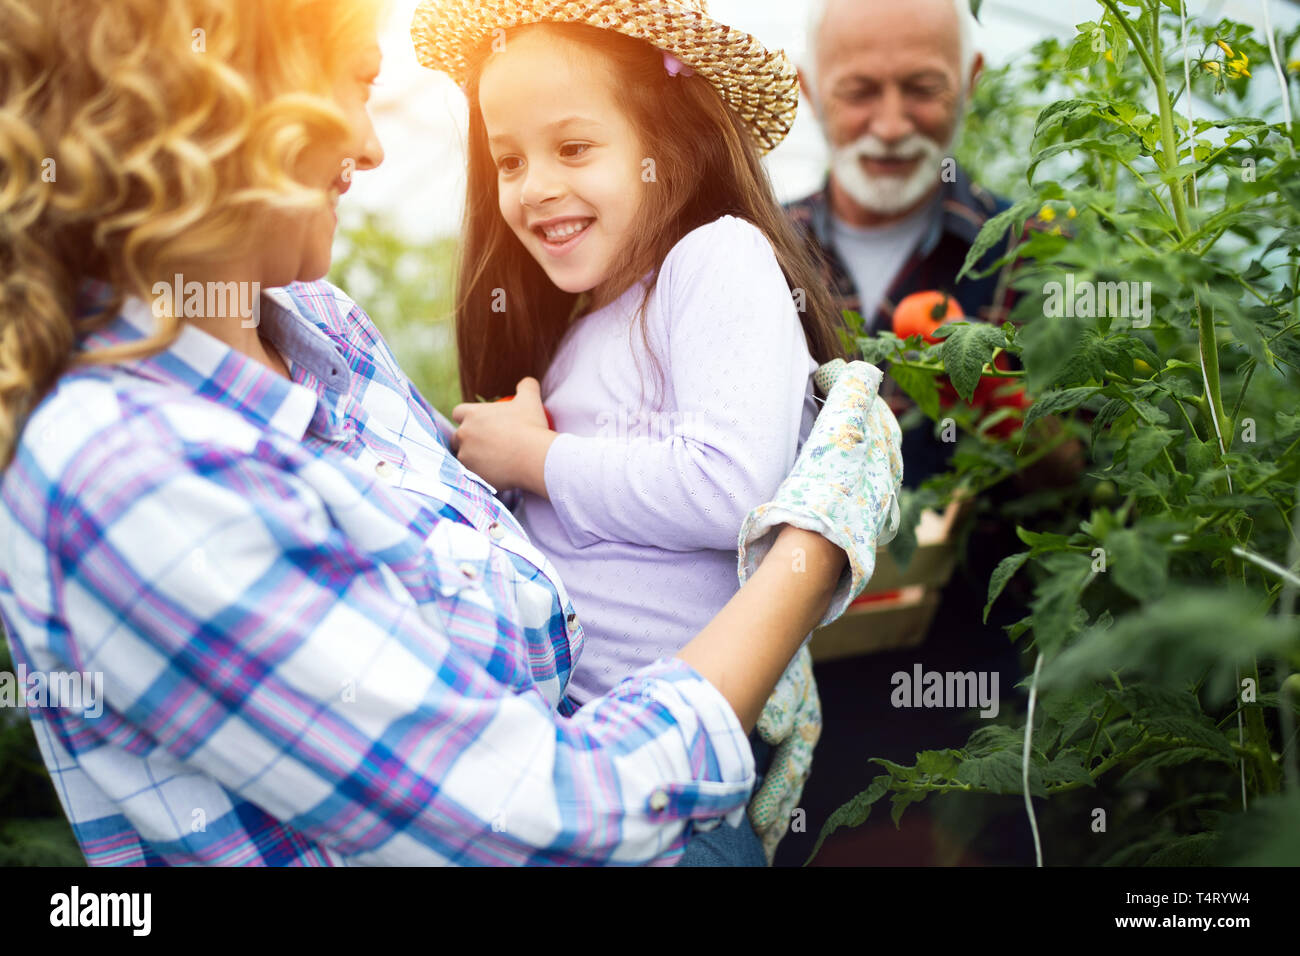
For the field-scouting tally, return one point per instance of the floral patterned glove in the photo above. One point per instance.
(791, 723)
(845, 484)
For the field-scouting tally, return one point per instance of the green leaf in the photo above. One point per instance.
(1074, 710)
(1056, 598)
(966, 350)
(1174, 757)
(1081, 53)
(938, 764)
(1286, 349)
(1269, 835)
(852, 814)
(1002, 574)
(993, 231)
(1164, 712)
(1042, 542)
(1046, 347)
(901, 801)
(1111, 411)
(876, 350)
(1148, 442)
(1139, 564)
(1202, 456)
(990, 738)
(1067, 767)
(913, 502)
(1198, 849)
(1186, 635)
(1200, 732)
(1062, 112)
(919, 386)
(1001, 772)
(1064, 400)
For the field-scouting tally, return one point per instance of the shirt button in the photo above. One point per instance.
(469, 571)
(658, 801)
(496, 531)
(385, 469)
(571, 621)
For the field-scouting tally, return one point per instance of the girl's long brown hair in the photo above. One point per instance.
(510, 318)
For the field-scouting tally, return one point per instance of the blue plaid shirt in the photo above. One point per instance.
(322, 640)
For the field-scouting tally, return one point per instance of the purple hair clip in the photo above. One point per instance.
(676, 67)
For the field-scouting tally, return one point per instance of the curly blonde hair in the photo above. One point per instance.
(139, 134)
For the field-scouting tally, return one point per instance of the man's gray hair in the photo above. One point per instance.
(965, 23)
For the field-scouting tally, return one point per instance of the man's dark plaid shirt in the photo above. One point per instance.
(934, 264)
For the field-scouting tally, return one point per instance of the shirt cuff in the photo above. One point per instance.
(723, 769)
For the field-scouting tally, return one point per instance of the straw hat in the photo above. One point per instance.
(760, 85)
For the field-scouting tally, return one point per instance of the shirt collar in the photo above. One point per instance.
(206, 366)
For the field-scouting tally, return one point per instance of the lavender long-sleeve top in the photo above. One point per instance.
(651, 478)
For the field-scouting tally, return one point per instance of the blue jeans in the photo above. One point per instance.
(732, 846)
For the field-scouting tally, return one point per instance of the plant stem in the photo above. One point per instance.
(1270, 779)
(1209, 346)
(1092, 744)
(1169, 146)
(1213, 387)
(1132, 35)
(1290, 766)
(1241, 396)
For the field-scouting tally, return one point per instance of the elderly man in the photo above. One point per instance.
(889, 83)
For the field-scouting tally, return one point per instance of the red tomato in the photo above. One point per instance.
(923, 312)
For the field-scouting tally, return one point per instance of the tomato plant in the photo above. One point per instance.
(1157, 327)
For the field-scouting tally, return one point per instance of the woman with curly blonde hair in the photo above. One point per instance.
(261, 613)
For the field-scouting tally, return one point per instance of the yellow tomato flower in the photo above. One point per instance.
(1047, 213)
(1210, 66)
(1293, 66)
(1223, 45)
(1071, 213)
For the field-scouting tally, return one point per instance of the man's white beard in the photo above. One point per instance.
(889, 195)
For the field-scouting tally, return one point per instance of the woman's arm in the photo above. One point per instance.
(746, 647)
(313, 681)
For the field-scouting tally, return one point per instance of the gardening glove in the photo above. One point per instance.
(791, 722)
(845, 484)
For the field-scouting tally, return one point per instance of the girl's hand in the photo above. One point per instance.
(505, 443)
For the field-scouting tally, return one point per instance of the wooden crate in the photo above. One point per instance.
(897, 608)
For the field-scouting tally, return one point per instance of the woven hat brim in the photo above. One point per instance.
(761, 85)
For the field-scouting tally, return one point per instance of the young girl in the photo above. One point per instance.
(623, 245)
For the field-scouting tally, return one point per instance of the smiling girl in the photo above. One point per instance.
(624, 246)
